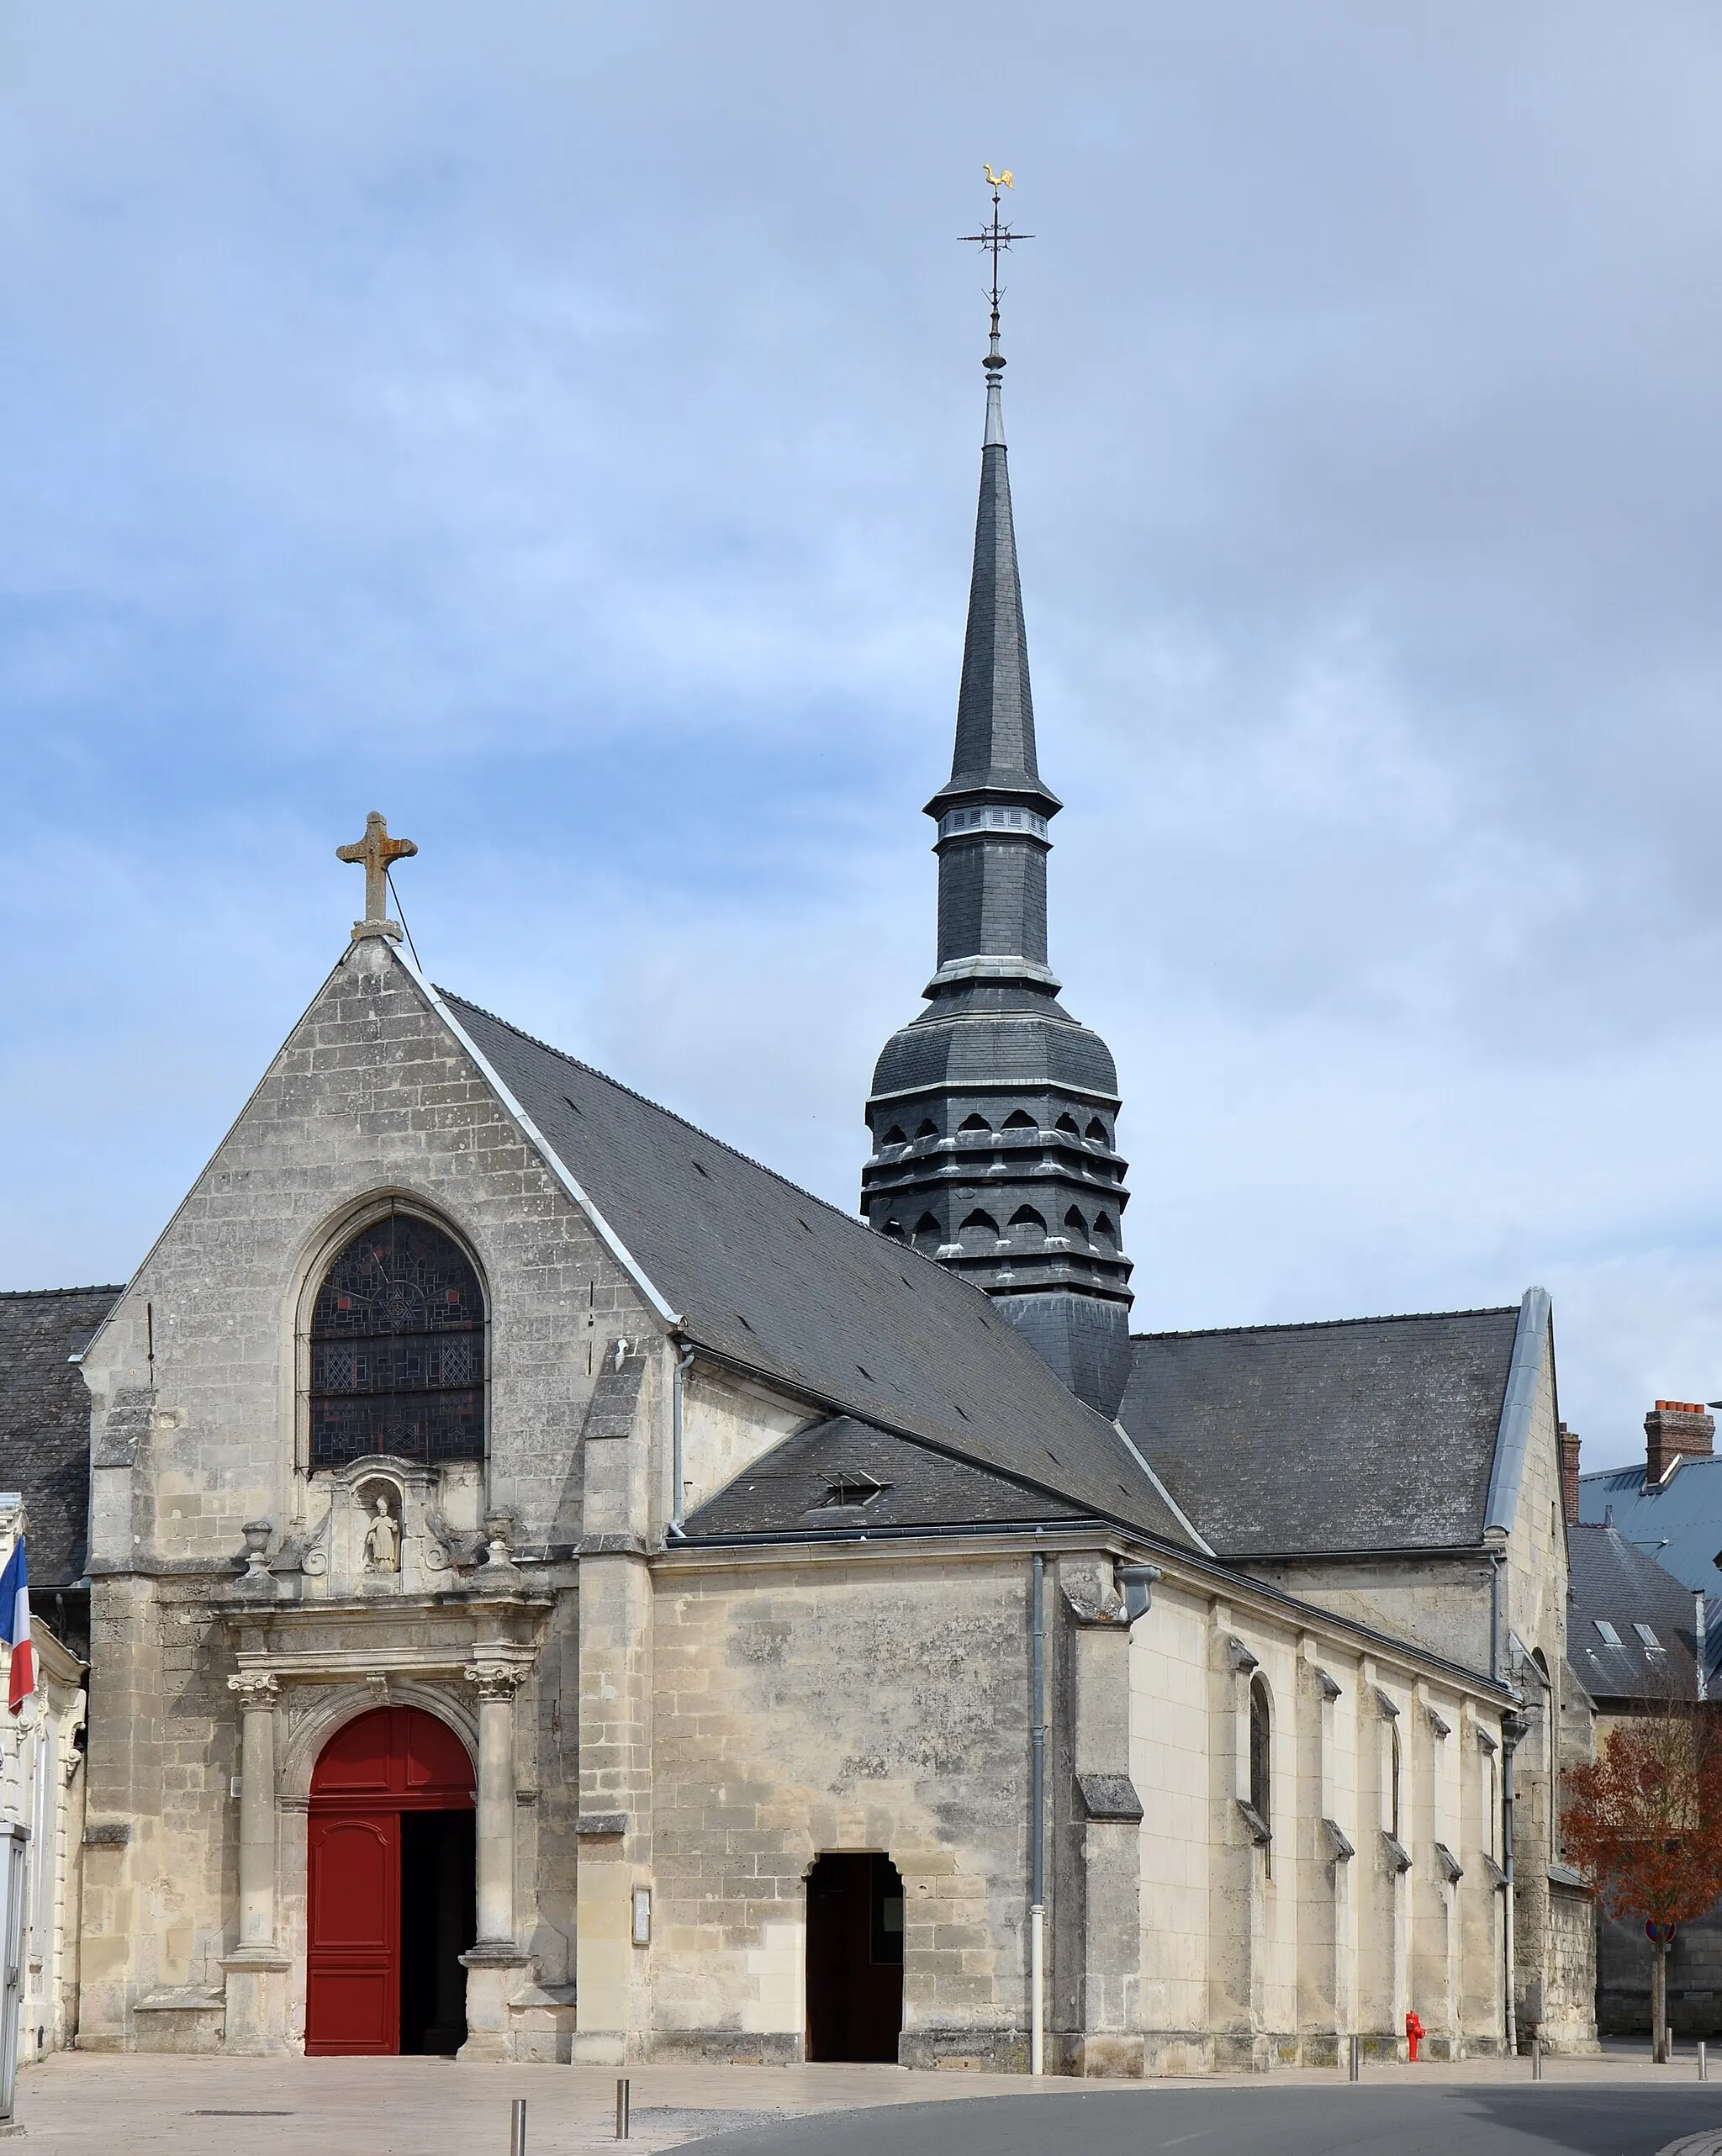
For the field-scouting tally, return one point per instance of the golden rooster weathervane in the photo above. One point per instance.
(996, 240)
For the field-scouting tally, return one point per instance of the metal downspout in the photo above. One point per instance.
(678, 1491)
(1037, 1824)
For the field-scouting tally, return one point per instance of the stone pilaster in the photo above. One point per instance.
(613, 2000)
(495, 1966)
(1108, 1823)
(256, 1971)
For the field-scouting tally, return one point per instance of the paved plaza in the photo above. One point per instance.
(83, 2102)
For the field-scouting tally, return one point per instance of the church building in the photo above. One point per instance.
(557, 1590)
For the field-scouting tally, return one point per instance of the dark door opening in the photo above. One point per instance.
(855, 1959)
(392, 1889)
(438, 1923)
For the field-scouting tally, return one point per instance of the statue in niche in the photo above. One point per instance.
(383, 1541)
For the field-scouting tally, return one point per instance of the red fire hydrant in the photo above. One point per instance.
(1415, 2033)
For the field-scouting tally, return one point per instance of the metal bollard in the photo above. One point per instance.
(1703, 2061)
(517, 2128)
(1536, 2058)
(623, 2122)
(1356, 2060)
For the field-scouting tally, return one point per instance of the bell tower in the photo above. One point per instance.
(994, 1114)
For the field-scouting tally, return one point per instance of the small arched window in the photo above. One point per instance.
(397, 1349)
(1020, 1119)
(1029, 1225)
(975, 1123)
(927, 1129)
(1103, 1230)
(895, 1136)
(1097, 1131)
(1067, 1125)
(1261, 1731)
(979, 1224)
(928, 1233)
(1075, 1225)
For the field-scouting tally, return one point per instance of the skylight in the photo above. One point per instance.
(1611, 1638)
(1648, 1636)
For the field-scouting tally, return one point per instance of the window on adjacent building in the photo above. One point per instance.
(397, 1348)
(1611, 1638)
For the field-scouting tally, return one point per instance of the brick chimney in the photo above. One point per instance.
(1569, 1443)
(1676, 1430)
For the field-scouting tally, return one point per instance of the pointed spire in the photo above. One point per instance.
(995, 746)
(993, 1113)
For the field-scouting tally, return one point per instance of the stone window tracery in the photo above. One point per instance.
(397, 1349)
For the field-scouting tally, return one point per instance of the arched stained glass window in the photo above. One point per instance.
(397, 1349)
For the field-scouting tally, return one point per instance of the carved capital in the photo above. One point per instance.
(495, 1680)
(255, 1687)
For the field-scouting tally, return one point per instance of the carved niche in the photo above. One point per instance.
(379, 1527)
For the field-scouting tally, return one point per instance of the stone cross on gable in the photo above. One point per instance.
(376, 849)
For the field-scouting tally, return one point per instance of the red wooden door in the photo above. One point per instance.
(392, 1760)
(353, 1969)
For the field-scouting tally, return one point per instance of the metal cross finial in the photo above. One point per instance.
(996, 239)
(376, 849)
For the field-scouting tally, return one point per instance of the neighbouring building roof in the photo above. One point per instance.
(1612, 1590)
(1677, 1521)
(45, 1421)
(1364, 1434)
(781, 1283)
(845, 1478)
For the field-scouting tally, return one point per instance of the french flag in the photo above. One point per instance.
(15, 1627)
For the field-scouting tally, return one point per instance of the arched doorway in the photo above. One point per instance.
(855, 1959)
(391, 1910)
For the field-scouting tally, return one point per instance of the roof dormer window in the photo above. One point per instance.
(847, 1490)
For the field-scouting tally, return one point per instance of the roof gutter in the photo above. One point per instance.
(1513, 1439)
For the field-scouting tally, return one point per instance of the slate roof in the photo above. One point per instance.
(1365, 1433)
(783, 1284)
(816, 1483)
(1608, 1579)
(45, 1421)
(1678, 1522)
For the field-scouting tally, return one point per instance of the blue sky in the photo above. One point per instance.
(558, 426)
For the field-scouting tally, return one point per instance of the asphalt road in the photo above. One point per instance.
(1343, 2121)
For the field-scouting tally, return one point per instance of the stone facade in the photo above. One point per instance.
(696, 1725)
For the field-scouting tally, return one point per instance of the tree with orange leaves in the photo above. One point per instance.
(1643, 1822)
